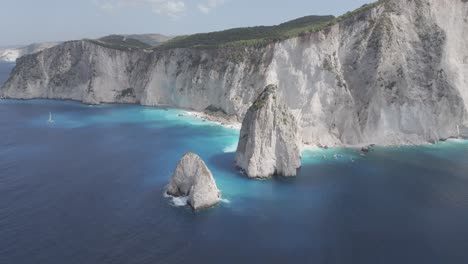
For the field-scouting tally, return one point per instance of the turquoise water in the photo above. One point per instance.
(89, 189)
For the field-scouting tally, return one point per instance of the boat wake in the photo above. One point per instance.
(50, 120)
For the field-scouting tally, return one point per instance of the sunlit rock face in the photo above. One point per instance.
(269, 142)
(393, 74)
(194, 180)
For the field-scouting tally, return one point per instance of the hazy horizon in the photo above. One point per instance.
(55, 20)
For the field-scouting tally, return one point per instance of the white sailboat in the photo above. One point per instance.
(50, 118)
(458, 131)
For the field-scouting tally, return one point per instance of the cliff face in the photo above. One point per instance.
(225, 79)
(393, 74)
(269, 142)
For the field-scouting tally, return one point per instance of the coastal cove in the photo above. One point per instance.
(89, 188)
(170, 132)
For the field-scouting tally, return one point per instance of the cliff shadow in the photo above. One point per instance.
(226, 162)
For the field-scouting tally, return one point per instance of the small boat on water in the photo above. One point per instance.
(51, 120)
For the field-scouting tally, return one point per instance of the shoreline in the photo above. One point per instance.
(308, 147)
(217, 118)
(231, 122)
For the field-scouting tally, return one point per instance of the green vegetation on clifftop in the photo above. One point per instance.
(119, 42)
(262, 35)
(238, 37)
(249, 36)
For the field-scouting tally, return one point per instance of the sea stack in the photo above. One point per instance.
(194, 180)
(269, 142)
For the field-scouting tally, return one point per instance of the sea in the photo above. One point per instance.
(89, 188)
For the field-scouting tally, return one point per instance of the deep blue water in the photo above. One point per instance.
(89, 189)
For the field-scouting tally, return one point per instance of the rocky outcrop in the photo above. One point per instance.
(194, 180)
(396, 73)
(11, 54)
(269, 142)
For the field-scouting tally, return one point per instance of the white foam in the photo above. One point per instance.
(177, 201)
(230, 149)
(180, 201)
(457, 140)
(226, 201)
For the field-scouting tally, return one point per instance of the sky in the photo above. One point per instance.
(28, 21)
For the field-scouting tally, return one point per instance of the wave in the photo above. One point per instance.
(457, 140)
(230, 149)
(183, 200)
(226, 201)
(180, 201)
(177, 201)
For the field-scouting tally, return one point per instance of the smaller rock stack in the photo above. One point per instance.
(194, 180)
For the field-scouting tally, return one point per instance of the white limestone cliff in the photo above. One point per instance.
(269, 142)
(393, 74)
(194, 180)
(12, 54)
